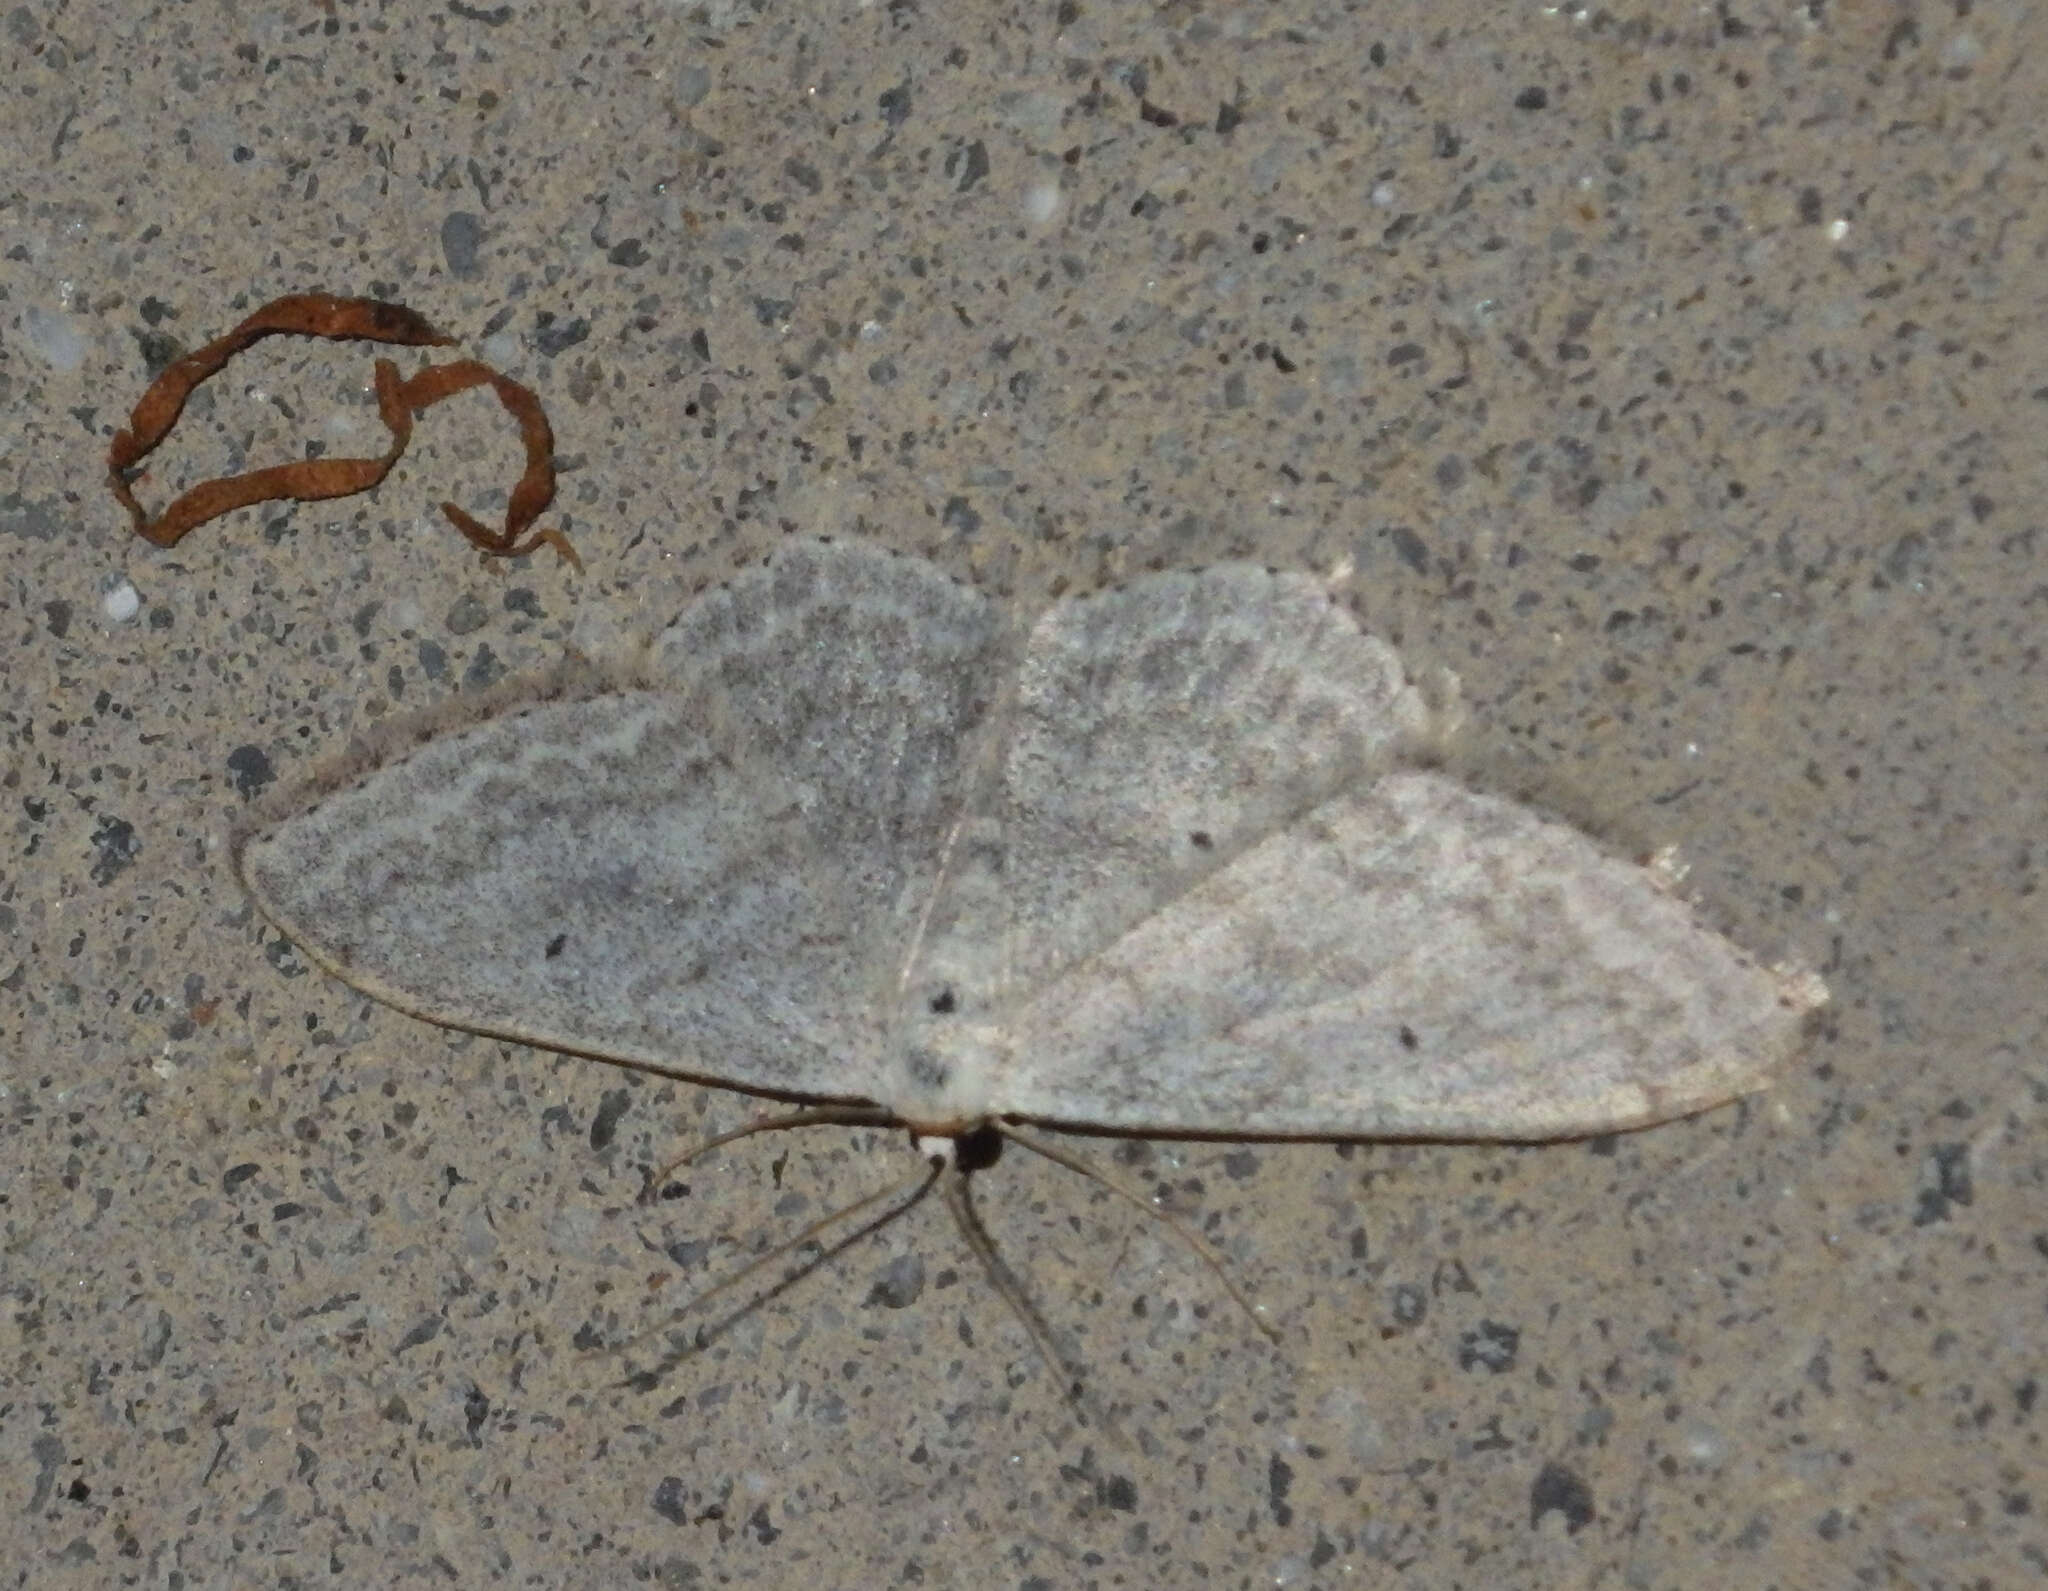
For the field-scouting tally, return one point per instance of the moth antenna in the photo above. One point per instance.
(1131, 1195)
(953, 1188)
(809, 1116)
(920, 1184)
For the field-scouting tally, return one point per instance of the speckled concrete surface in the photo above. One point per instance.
(1680, 385)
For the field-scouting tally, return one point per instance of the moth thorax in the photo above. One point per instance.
(948, 1062)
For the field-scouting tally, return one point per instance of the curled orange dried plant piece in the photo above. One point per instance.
(309, 480)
